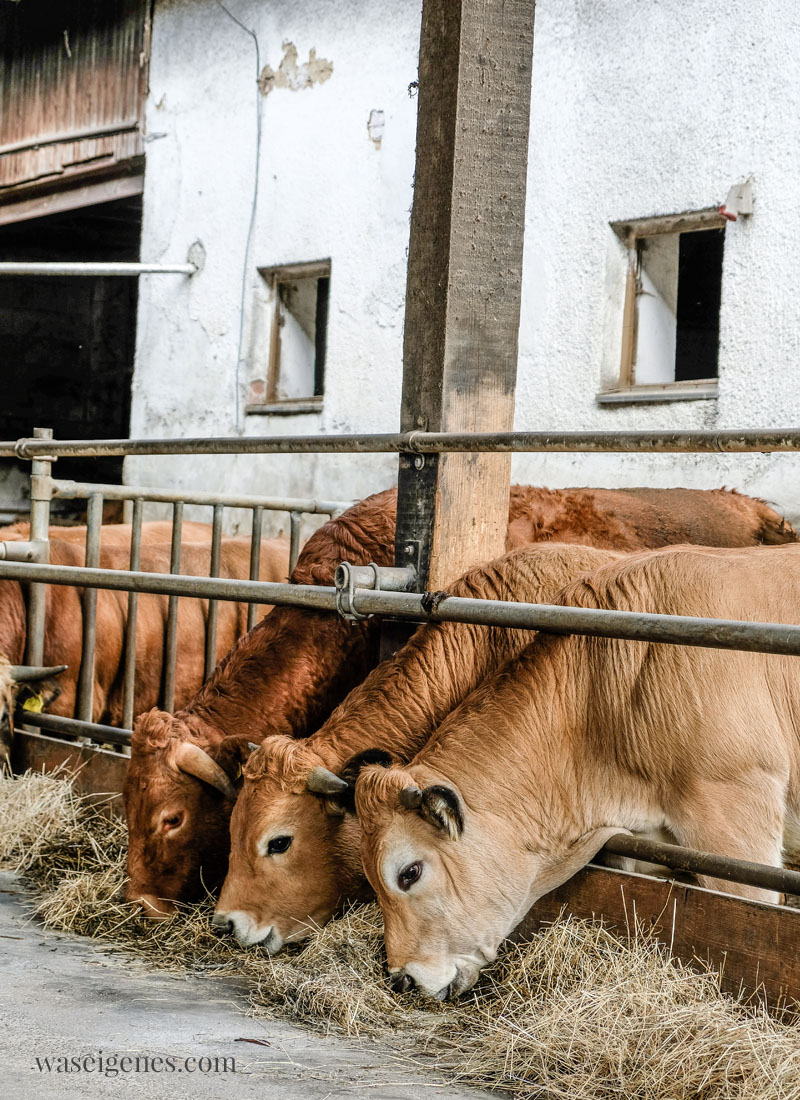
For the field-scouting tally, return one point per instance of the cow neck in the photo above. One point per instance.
(513, 748)
(13, 633)
(286, 676)
(405, 698)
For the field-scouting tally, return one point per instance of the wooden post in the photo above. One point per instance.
(464, 277)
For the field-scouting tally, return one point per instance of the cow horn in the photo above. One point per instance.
(252, 746)
(24, 674)
(193, 760)
(321, 781)
(411, 798)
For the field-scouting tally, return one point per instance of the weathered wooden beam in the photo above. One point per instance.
(753, 945)
(464, 277)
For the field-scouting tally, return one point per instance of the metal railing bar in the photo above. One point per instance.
(94, 522)
(71, 267)
(255, 561)
(40, 537)
(294, 540)
(70, 490)
(213, 605)
(733, 634)
(418, 442)
(73, 727)
(129, 676)
(705, 863)
(171, 647)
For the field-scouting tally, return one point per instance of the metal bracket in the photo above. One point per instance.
(374, 578)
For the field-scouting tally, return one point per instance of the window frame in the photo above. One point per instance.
(626, 390)
(274, 275)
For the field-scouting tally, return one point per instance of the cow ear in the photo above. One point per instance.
(442, 808)
(231, 753)
(342, 801)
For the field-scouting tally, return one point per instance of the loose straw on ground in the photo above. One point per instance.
(575, 1014)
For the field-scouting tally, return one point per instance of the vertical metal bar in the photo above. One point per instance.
(41, 495)
(94, 523)
(294, 539)
(171, 649)
(255, 561)
(129, 680)
(213, 605)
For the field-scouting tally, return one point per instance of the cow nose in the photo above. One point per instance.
(401, 982)
(221, 925)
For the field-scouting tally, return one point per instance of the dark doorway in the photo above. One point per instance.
(67, 342)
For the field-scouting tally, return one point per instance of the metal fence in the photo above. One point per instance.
(358, 592)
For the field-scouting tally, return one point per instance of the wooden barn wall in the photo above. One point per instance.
(73, 78)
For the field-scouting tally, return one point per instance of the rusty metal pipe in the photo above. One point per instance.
(695, 862)
(171, 646)
(85, 698)
(632, 625)
(255, 560)
(129, 675)
(70, 490)
(213, 605)
(417, 442)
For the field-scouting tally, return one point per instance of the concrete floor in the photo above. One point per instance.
(61, 995)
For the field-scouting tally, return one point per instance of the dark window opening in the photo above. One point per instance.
(298, 305)
(67, 342)
(699, 300)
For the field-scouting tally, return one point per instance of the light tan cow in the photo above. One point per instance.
(578, 738)
(294, 839)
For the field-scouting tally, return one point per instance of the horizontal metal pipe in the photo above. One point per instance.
(695, 862)
(73, 727)
(632, 625)
(58, 267)
(700, 442)
(70, 490)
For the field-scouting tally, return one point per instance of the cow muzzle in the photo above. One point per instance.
(248, 933)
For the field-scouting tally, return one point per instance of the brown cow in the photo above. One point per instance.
(63, 631)
(288, 674)
(578, 738)
(294, 839)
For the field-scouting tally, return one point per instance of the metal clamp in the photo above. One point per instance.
(374, 578)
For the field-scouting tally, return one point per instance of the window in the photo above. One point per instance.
(296, 339)
(670, 325)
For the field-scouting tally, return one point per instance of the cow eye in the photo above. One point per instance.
(409, 875)
(171, 822)
(278, 844)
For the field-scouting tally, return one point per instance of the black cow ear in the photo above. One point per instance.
(345, 801)
(230, 754)
(442, 808)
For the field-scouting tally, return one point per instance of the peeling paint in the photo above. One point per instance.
(375, 127)
(293, 76)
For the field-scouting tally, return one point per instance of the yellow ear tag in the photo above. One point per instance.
(34, 703)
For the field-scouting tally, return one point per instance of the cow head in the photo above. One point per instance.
(294, 846)
(451, 881)
(20, 685)
(178, 796)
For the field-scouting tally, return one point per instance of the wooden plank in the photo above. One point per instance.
(753, 945)
(71, 198)
(464, 277)
(98, 770)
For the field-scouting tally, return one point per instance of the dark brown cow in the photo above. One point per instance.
(287, 675)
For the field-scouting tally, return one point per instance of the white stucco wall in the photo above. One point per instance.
(640, 107)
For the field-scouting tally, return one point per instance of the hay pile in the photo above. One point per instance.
(574, 1014)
